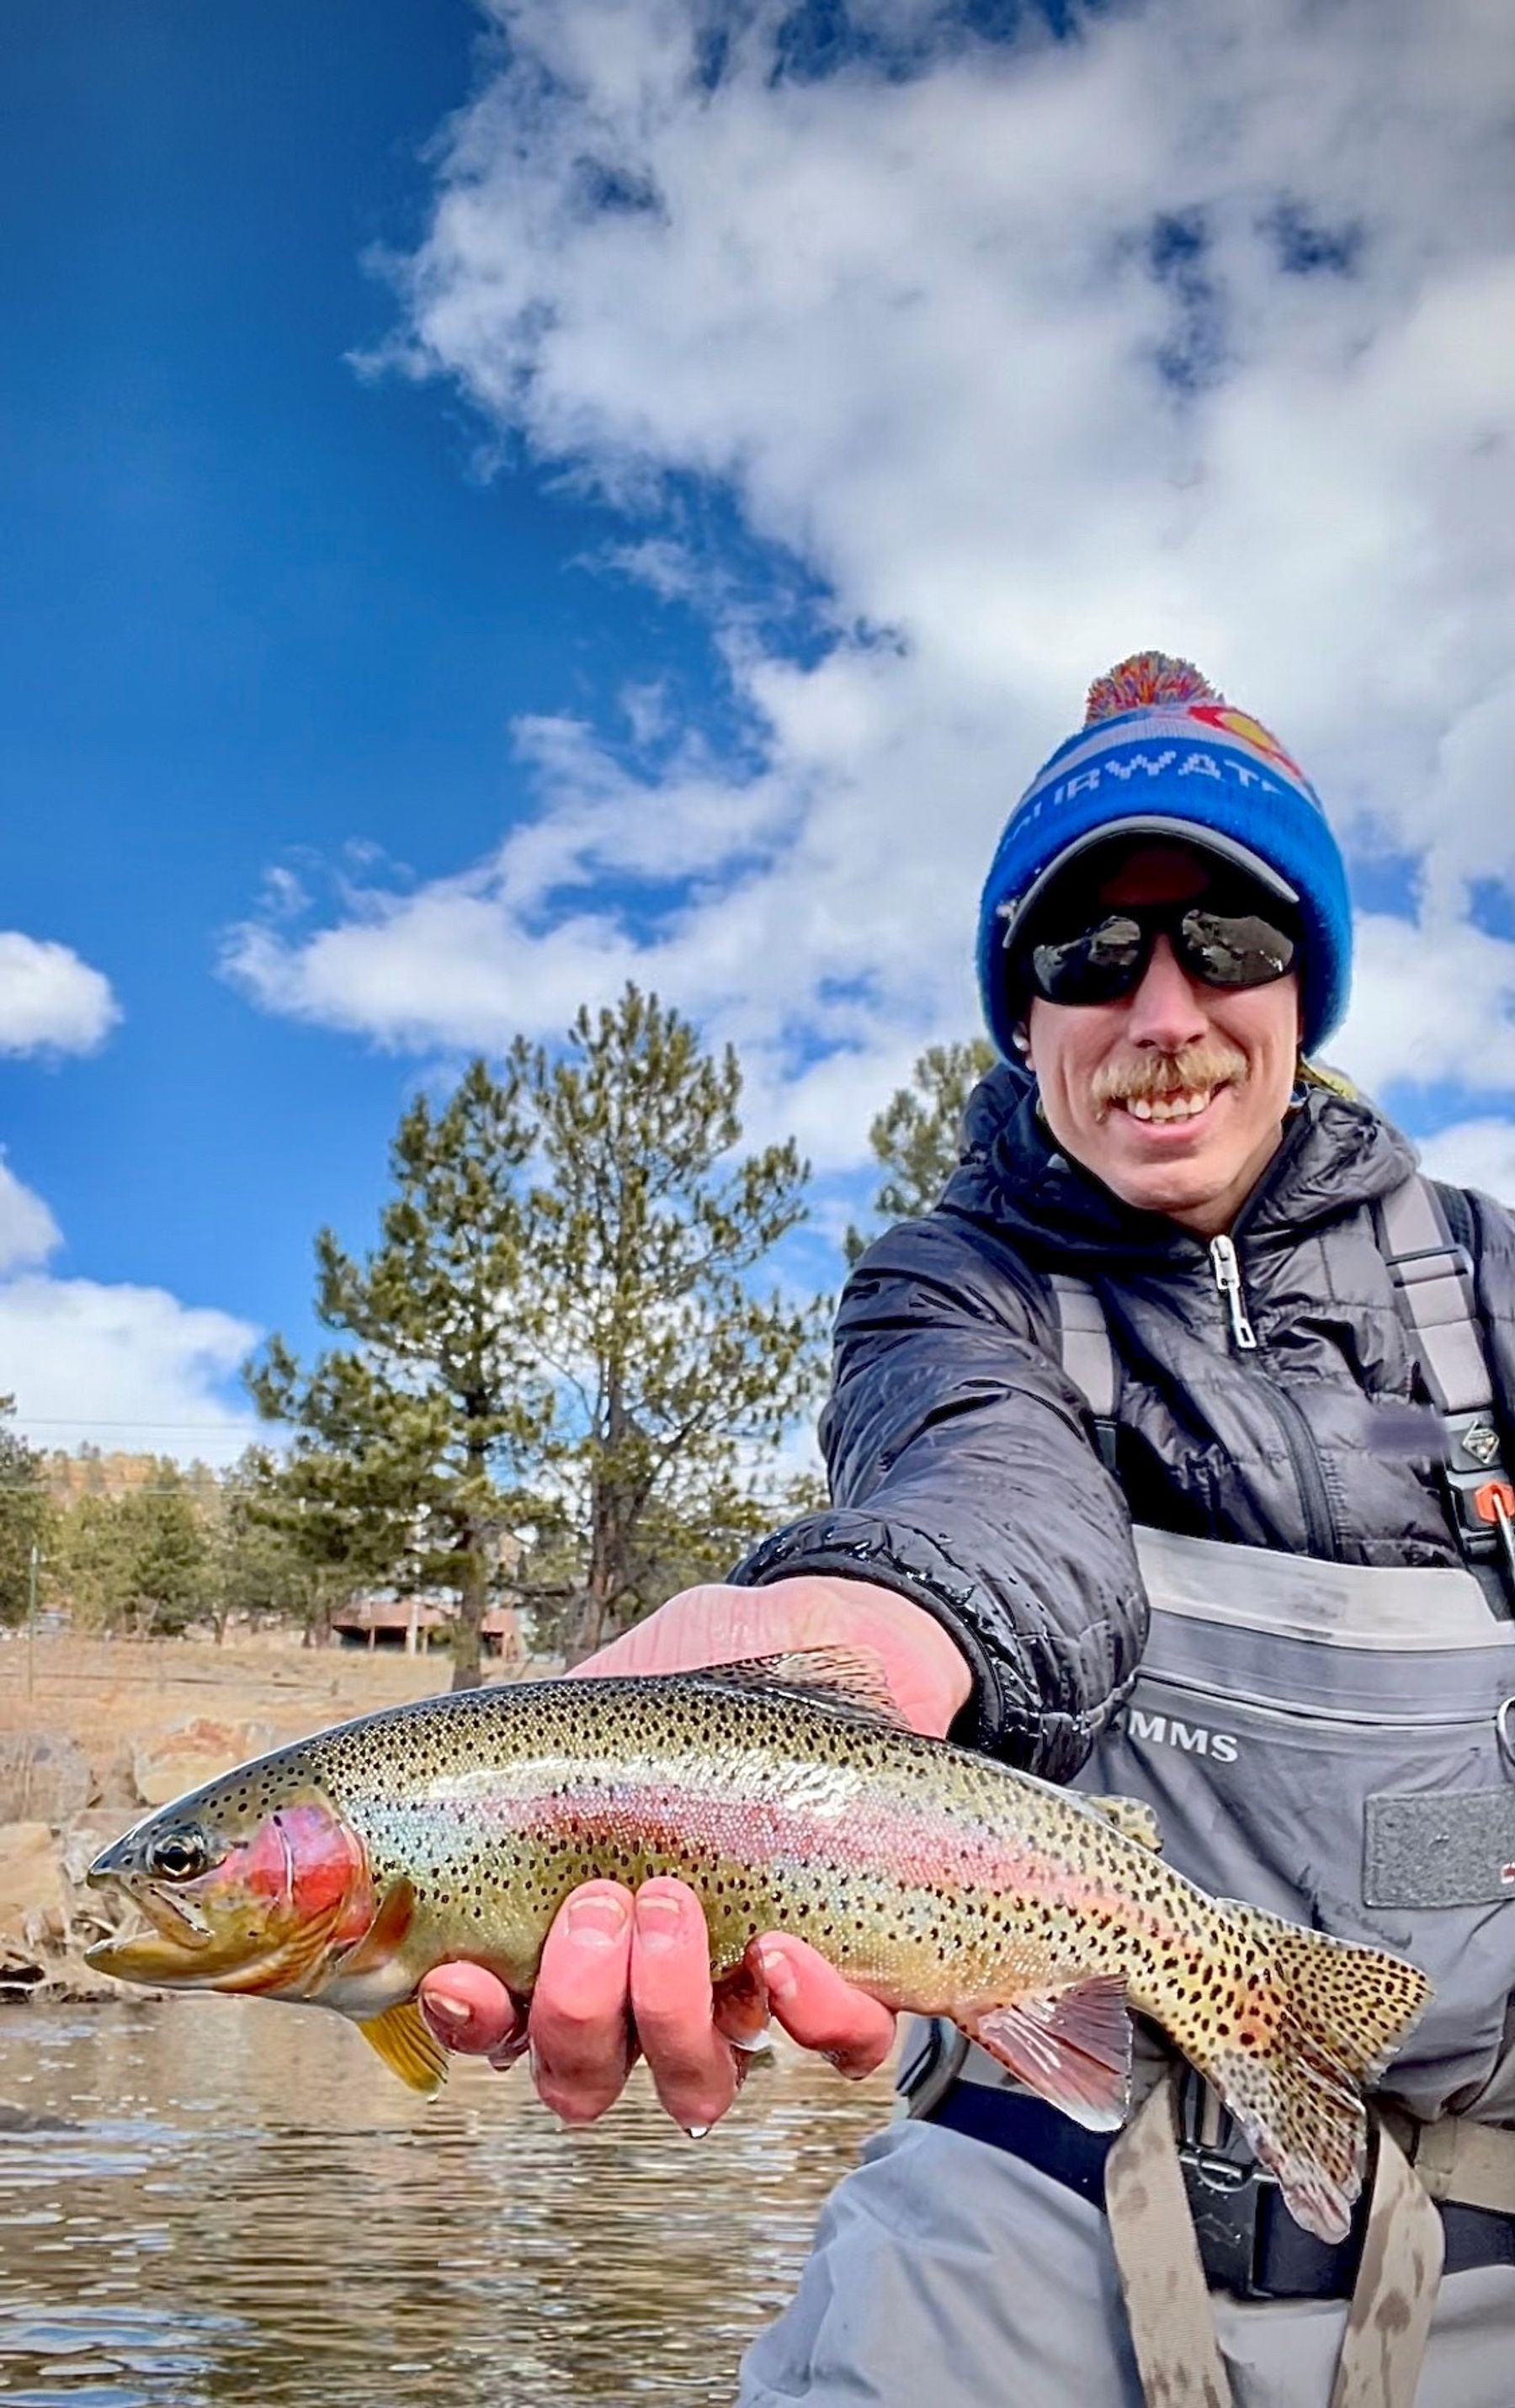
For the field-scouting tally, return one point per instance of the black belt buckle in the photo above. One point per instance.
(1225, 2199)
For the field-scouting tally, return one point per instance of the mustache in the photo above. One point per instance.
(1146, 1077)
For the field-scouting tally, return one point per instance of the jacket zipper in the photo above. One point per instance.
(1319, 1519)
(1228, 1280)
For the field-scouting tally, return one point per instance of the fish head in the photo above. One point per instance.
(252, 1882)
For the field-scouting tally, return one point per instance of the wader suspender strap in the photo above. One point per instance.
(1167, 2301)
(1433, 1277)
(1431, 1270)
(1088, 1357)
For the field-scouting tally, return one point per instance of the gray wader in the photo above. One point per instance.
(1337, 1743)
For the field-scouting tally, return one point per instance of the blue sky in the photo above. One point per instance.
(498, 500)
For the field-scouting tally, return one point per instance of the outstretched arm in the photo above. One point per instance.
(966, 1476)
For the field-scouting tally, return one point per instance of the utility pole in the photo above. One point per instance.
(32, 1562)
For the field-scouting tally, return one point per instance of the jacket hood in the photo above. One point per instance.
(1337, 1153)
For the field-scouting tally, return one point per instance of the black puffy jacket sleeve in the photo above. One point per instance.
(965, 1475)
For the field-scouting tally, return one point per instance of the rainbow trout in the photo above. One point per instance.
(343, 1868)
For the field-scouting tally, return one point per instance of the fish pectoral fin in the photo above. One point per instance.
(1133, 1819)
(372, 1953)
(1068, 2041)
(407, 2047)
(740, 2005)
(850, 1677)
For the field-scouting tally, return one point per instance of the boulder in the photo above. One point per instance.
(32, 1905)
(43, 1778)
(165, 1767)
(86, 1835)
(45, 1921)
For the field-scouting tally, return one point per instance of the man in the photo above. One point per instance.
(1177, 1402)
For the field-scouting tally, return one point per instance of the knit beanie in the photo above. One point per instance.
(1161, 754)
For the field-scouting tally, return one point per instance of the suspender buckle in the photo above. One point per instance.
(1225, 2199)
(1430, 1263)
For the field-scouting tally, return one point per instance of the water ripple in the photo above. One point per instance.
(241, 2207)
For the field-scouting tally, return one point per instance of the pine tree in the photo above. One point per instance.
(917, 1138)
(557, 1339)
(138, 1562)
(269, 1556)
(672, 1381)
(25, 1520)
(405, 1433)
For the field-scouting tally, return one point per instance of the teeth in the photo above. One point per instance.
(1167, 1108)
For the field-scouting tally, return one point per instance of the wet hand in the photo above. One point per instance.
(614, 1965)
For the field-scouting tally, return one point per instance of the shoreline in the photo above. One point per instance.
(93, 1732)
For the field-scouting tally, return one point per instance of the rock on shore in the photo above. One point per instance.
(56, 1816)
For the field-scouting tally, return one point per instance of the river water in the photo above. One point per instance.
(214, 2200)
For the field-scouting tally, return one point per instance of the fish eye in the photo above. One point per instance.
(179, 1855)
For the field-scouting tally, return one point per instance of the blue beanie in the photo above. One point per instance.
(1162, 753)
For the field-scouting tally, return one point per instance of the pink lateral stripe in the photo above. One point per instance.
(928, 1847)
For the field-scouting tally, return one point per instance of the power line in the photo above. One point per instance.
(99, 1420)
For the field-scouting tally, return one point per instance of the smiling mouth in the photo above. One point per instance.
(1180, 1106)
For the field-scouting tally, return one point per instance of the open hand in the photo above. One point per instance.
(607, 1949)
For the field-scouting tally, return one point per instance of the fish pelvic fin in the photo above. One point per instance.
(1311, 2024)
(1133, 1818)
(1069, 2041)
(408, 2048)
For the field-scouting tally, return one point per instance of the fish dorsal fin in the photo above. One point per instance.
(850, 1677)
(1133, 1819)
(407, 2047)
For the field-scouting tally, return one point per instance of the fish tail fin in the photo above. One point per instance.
(1311, 2024)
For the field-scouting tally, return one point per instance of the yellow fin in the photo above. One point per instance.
(1132, 1819)
(407, 2047)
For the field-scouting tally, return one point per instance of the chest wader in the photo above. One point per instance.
(1335, 1742)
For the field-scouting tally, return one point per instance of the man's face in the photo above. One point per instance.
(1119, 1082)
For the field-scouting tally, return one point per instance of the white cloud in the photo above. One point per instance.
(1475, 1153)
(123, 1367)
(51, 1000)
(28, 1232)
(1431, 1003)
(911, 325)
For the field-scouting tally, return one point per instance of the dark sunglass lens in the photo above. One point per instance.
(1093, 967)
(1236, 949)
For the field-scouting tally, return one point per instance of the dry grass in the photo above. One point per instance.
(107, 1694)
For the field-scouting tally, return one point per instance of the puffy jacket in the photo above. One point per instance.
(962, 1463)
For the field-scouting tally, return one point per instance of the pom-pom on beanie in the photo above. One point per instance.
(1161, 754)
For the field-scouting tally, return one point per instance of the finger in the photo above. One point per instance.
(691, 2063)
(467, 2010)
(821, 2010)
(580, 2040)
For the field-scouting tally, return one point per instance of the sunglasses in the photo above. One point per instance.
(1108, 959)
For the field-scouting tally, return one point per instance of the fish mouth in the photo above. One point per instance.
(164, 1936)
